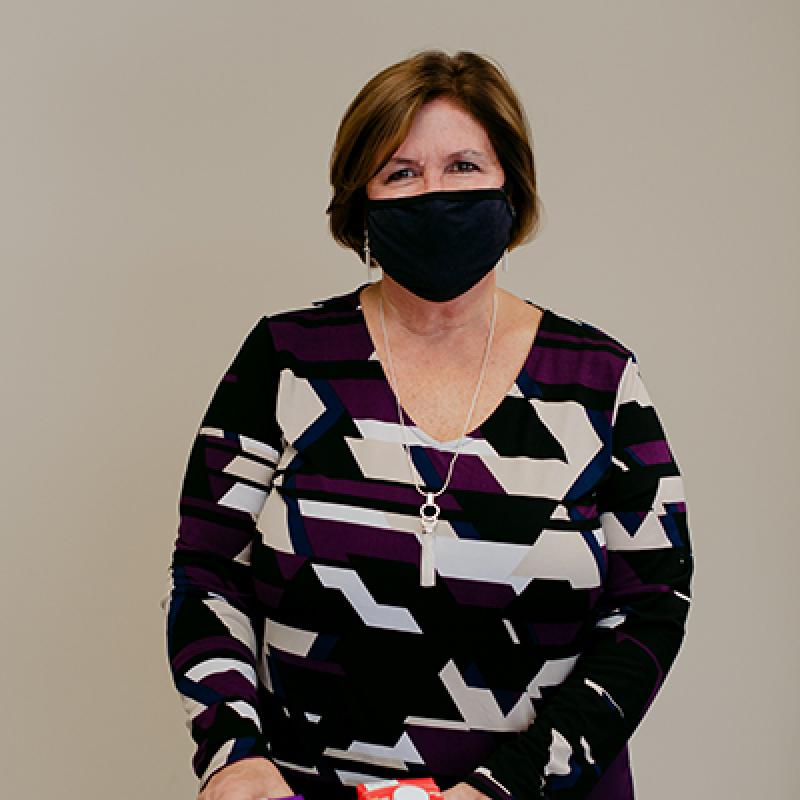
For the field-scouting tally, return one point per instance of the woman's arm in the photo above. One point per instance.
(587, 722)
(212, 643)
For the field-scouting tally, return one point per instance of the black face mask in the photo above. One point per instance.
(440, 244)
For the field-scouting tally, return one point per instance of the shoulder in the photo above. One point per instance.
(586, 332)
(584, 352)
(318, 309)
(311, 330)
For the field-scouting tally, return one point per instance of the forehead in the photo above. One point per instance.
(442, 125)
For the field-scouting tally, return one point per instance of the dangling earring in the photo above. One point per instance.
(367, 256)
(505, 260)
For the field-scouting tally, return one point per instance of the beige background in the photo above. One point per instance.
(163, 184)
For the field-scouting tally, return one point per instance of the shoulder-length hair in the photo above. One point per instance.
(378, 120)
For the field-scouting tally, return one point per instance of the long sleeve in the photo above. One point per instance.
(639, 626)
(211, 634)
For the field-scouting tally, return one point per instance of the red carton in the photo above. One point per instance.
(406, 789)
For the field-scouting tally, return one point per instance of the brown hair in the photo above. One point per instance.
(379, 118)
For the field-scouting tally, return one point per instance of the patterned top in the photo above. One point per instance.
(297, 625)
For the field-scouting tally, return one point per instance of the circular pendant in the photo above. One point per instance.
(429, 512)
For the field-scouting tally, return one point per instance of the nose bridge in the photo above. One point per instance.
(432, 178)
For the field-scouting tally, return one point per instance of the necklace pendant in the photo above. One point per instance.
(429, 512)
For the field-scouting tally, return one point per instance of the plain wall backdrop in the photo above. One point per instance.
(163, 181)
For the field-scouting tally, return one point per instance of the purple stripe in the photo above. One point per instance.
(480, 593)
(624, 581)
(588, 338)
(367, 398)
(326, 343)
(337, 540)
(449, 751)
(189, 501)
(289, 563)
(216, 645)
(555, 633)
(621, 636)
(470, 472)
(306, 663)
(588, 368)
(200, 534)
(211, 580)
(587, 512)
(269, 596)
(616, 781)
(231, 685)
(653, 452)
(205, 719)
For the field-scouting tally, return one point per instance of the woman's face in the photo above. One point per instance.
(446, 149)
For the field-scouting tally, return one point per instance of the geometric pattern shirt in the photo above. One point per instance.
(297, 625)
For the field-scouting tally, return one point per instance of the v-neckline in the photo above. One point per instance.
(421, 434)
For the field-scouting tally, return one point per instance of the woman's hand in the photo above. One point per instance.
(254, 778)
(463, 791)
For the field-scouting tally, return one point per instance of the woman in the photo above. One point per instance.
(428, 528)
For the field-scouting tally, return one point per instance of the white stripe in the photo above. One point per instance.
(430, 722)
(297, 767)
(552, 673)
(479, 708)
(355, 515)
(247, 444)
(216, 666)
(486, 772)
(610, 621)
(603, 693)
(373, 518)
(244, 498)
(512, 633)
(560, 751)
(376, 761)
(354, 778)
(260, 448)
(235, 621)
(207, 431)
(289, 639)
(404, 750)
(247, 468)
(220, 758)
(587, 751)
(246, 711)
(378, 430)
(376, 615)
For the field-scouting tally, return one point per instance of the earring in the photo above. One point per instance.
(368, 257)
(505, 260)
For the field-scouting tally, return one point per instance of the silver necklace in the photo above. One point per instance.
(429, 510)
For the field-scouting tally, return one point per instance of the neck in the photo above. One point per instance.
(430, 320)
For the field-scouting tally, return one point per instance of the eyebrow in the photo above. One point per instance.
(458, 154)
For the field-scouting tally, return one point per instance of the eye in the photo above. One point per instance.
(399, 174)
(465, 166)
